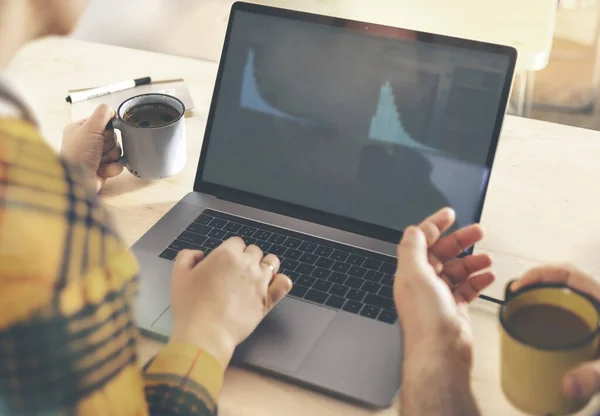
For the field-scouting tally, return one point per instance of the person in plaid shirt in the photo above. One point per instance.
(68, 339)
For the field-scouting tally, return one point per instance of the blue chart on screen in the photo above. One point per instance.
(251, 98)
(386, 125)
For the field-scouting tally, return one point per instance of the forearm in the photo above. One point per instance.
(436, 384)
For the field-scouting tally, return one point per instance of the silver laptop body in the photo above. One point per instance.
(287, 146)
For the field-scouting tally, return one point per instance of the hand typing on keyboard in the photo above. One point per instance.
(432, 291)
(218, 301)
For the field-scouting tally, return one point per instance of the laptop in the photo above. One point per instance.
(326, 137)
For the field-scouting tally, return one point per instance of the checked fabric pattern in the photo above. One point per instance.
(67, 286)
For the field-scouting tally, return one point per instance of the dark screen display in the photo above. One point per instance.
(377, 126)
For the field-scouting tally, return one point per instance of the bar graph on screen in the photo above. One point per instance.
(252, 99)
(386, 125)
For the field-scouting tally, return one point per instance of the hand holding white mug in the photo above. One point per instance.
(89, 143)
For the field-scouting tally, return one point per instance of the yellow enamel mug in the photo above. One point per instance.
(531, 376)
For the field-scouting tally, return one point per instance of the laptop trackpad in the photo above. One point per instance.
(285, 337)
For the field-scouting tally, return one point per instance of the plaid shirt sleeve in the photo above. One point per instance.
(68, 339)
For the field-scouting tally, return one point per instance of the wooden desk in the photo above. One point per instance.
(542, 205)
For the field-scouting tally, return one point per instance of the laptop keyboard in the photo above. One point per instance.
(326, 273)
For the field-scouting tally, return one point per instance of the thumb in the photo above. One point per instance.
(412, 250)
(279, 287)
(583, 381)
(100, 118)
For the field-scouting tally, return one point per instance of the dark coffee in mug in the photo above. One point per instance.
(548, 326)
(151, 115)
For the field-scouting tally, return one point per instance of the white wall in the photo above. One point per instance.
(193, 28)
(183, 27)
(196, 28)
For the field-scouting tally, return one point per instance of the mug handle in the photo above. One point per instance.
(508, 292)
(113, 124)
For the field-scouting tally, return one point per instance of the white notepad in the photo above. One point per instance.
(176, 88)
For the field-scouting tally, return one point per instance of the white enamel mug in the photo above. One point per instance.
(152, 152)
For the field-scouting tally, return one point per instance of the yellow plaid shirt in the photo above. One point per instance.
(67, 285)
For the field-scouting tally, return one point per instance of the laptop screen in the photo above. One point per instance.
(369, 123)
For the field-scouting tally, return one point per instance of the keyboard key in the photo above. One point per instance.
(316, 296)
(247, 231)
(206, 251)
(292, 243)
(371, 287)
(232, 227)
(323, 251)
(308, 258)
(216, 233)
(277, 239)
(355, 294)
(324, 262)
(212, 243)
(192, 238)
(337, 277)
(370, 312)
(388, 268)
(355, 259)
(199, 228)
(277, 250)
(322, 285)
(373, 276)
(168, 254)
(339, 255)
(262, 235)
(352, 306)
(294, 276)
(179, 245)
(354, 282)
(386, 292)
(305, 280)
(372, 264)
(264, 246)
(378, 301)
(357, 271)
(388, 317)
(230, 235)
(289, 264)
(340, 267)
(249, 240)
(203, 219)
(321, 273)
(335, 302)
(305, 268)
(338, 290)
(388, 280)
(308, 247)
(218, 223)
(292, 254)
(298, 291)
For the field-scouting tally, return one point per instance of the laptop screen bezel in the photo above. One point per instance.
(317, 216)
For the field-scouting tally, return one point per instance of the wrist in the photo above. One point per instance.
(436, 384)
(211, 338)
(447, 340)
